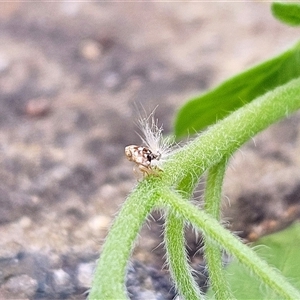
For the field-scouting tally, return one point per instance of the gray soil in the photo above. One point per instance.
(71, 75)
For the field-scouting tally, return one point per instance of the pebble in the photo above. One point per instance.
(108, 191)
(21, 286)
(10, 250)
(62, 281)
(25, 222)
(85, 274)
(99, 223)
(38, 107)
(90, 50)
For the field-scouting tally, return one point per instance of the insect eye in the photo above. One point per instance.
(149, 157)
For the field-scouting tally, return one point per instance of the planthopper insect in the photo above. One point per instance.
(149, 157)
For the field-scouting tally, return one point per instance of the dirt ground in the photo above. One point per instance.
(71, 76)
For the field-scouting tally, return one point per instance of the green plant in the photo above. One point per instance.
(252, 110)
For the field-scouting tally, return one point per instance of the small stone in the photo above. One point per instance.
(10, 250)
(62, 282)
(85, 274)
(25, 222)
(108, 191)
(90, 50)
(37, 107)
(99, 223)
(21, 286)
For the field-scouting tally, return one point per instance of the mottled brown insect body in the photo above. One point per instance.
(150, 157)
(143, 157)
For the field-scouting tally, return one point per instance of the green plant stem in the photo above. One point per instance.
(177, 259)
(213, 189)
(109, 278)
(213, 254)
(221, 140)
(188, 164)
(222, 238)
(183, 171)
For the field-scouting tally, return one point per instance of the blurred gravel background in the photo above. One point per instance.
(70, 76)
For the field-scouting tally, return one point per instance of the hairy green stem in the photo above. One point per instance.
(222, 139)
(109, 278)
(177, 259)
(219, 141)
(213, 254)
(182, 171)
(214, 232)
(213, 189)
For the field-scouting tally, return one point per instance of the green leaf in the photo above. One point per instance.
(280, 250)
(288, 13)
(214, 105)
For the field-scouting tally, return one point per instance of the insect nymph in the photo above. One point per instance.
(148, 158)
(143, 158)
